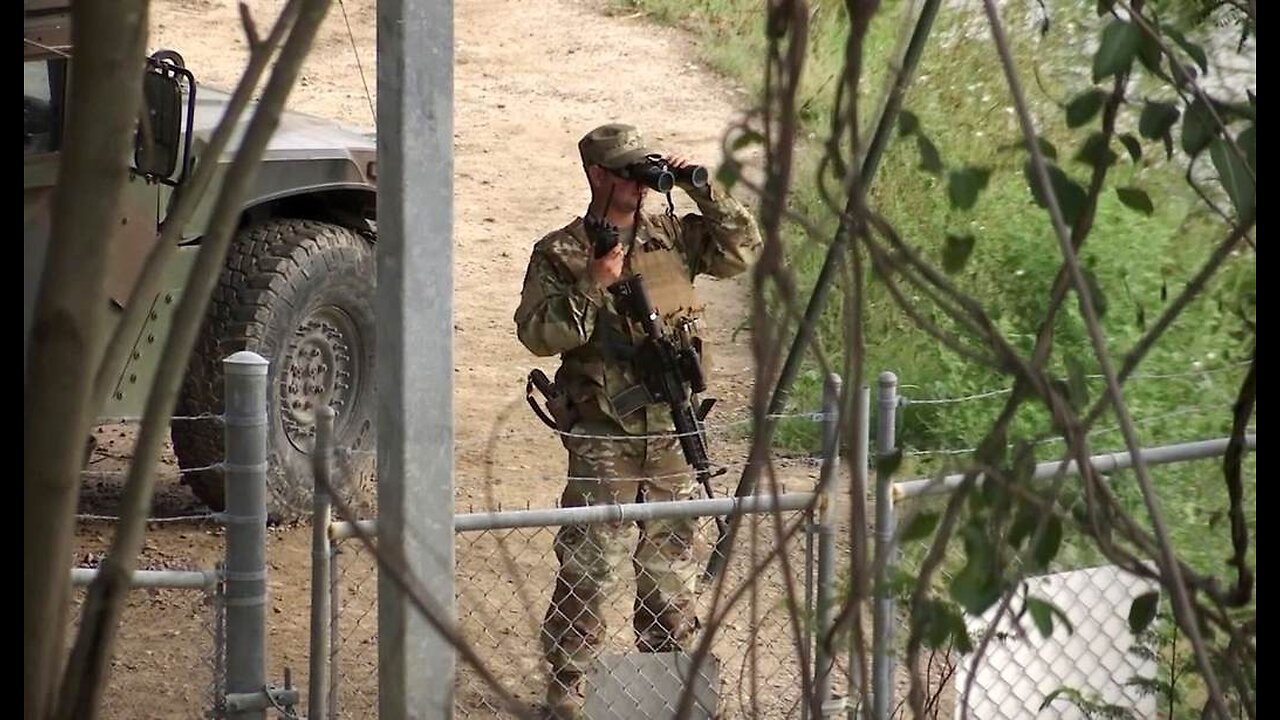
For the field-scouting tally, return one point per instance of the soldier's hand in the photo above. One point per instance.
(679, 162)
(607, 270)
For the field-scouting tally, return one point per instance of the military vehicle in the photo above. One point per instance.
(297, 286)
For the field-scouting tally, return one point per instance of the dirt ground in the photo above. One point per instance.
(531, 77)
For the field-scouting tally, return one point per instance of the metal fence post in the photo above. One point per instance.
(824, 659)
(861, 466)
(318, 694)
(335, 608)
(882, 624)
(245, 470)
(810, 630)
(219, 593)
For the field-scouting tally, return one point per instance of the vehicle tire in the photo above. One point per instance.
(300, 293)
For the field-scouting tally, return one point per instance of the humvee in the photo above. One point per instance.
(297, 286)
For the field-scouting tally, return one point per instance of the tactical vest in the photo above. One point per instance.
(606, 361)
(666, 275)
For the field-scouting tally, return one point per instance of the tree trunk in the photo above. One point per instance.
(67, 331)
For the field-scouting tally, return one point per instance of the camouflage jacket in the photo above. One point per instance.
(563, 312)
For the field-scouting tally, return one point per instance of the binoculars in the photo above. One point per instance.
(656, 173)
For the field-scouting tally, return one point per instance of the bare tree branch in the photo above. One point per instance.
(1231, 464)
(67, 328)
(82, 685)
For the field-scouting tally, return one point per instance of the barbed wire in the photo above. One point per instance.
(138, 418)
(215, 516)
(905, 400)
(1147, 420)
(123, 473)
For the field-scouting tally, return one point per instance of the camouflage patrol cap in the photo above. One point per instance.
(613, 146)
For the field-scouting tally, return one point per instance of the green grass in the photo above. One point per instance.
(964, 108)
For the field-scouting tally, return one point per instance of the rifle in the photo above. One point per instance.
(671, 370)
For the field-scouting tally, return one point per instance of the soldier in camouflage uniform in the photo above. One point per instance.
(620, 445)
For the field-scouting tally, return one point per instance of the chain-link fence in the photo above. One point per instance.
(142, 681)
(506, 575)
(353, 632)
(1060, 645)
(1068, 639)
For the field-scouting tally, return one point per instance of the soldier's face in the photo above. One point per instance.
(624, 195)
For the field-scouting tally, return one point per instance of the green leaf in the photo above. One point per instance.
(930, 160)
(977, 586)
(921, 526)
(1024, 462)
(1120, 41)
(1234, 175)
(1042, 614)
(1047, 547)
(1137, 199)
(1023, 525)
(1047, 148)
(1235, 111)
(992, 494)
(975, 592)
(1157, 120)
(901, 582)
(1143, 611)
(1096, 151)
(908, 123)
(960, 633)
(1132, 145)
(1248, 142)
(1048, 699)
(1071, 196)
(1077, 383)
(1063, 619)
(1195, 51)
(1084, 107)
(1198, 128)
(956, 252)
(750, 137)
(939, 621)
(965, 184)
(728, 174)
(1215, 519)
(1096, 294)
(888, 464)
(935, 627)
(1149, 53)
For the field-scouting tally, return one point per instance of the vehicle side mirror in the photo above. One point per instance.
(159, 149)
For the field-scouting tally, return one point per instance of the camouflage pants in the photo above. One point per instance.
(592, 557)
